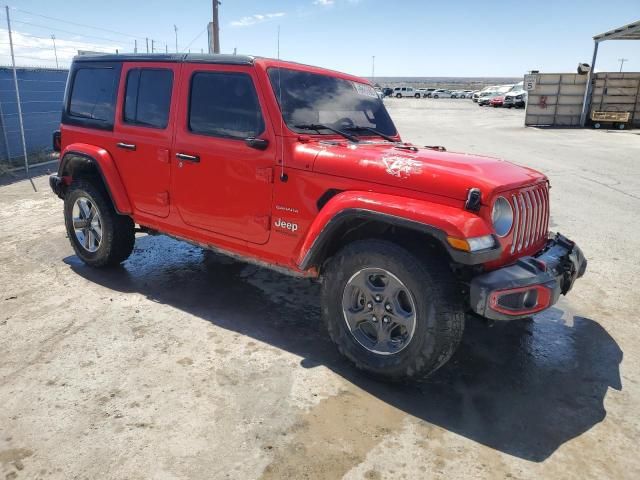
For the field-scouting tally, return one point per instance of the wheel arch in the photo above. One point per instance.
(354, 224)
(350, 216)
(91, 161)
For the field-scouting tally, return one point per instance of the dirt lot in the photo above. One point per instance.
(183, 364)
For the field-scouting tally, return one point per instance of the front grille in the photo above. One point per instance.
(530, 216)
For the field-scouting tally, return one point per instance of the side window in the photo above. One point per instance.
(148, 97)
(93, 94)
(224, 105)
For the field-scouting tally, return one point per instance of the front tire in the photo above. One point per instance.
(99, 236)
(393, 314)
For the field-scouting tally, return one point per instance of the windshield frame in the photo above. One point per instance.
(290, 126)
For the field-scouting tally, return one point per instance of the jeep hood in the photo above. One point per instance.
(426, 170)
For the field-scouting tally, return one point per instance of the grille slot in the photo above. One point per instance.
(531, 216)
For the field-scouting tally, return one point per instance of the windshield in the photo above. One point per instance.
(310, 98)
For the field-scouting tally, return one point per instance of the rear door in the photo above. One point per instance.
(143, 133)
(221, 181)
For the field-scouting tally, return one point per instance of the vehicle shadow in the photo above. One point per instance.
(523, 387)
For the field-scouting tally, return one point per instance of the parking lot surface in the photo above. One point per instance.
(185, 364)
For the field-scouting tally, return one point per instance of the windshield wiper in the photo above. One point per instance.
(356, 128)
(319, 126)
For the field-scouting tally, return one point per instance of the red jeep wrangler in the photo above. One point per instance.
(302, 170)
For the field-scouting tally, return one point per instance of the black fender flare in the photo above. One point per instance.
(316, 253)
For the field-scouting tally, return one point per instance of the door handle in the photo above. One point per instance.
(188, 158)
(126, 146)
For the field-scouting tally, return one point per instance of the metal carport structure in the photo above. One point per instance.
(627, 32)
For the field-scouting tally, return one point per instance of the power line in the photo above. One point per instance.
(49, 27)
(76, 23)
(194, 39)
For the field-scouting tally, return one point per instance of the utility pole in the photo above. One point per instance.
(373, 68)
(153, 45)
(15, 82)
(166, 48)
(175, 29)
(215, 27)
(55, 52)
(622, 60)
(147, 40)
(135, 46)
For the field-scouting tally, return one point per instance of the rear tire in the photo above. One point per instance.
(431, 297)
(102, 238)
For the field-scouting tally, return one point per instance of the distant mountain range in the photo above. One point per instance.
(444, 82)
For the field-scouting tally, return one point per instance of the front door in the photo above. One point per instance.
(221, 181)
(143, 133)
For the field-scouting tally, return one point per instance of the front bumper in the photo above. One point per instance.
(532, 284)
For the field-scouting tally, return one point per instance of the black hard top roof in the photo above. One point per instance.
(171, 57)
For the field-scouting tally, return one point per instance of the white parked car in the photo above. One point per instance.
(441, 93)
(461, 94)
(400, 92)
(485, 97)
(515, 98)
(424, 92)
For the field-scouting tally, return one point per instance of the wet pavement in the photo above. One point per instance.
(185, 364)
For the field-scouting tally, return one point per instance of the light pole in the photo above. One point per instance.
(175, 29)
(55, 52)
(622, 60)
(373, 68)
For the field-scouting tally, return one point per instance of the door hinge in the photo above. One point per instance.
(163, 198)
(263, 220)
(265, 174)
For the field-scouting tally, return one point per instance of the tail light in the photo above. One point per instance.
(57, 141)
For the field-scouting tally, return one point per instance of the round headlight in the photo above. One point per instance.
(502, 216)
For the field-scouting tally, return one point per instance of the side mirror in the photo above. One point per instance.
(257, 143)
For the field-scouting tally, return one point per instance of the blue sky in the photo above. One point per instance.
(408, 38)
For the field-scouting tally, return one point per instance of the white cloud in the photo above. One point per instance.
(257, 18)
(36, 51)
(330, 3)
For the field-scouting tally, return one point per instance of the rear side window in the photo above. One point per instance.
(224, 105)
(148, 97)
(93, 94)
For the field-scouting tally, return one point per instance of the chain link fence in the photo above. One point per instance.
(41, 94)
(40, 48)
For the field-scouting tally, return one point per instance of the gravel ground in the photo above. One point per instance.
(184, 364)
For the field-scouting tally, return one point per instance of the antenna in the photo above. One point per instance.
(283, 176)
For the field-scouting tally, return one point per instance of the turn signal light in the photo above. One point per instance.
(473, 244)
